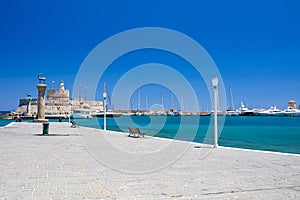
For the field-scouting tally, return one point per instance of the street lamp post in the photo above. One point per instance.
(70, 109)
(104, 109)
(215, 85)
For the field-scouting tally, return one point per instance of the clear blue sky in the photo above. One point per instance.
(255, 44)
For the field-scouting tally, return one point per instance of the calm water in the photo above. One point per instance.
(281, 134)
(5, 122)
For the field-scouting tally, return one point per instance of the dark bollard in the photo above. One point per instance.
(45, 128)
(19, 119)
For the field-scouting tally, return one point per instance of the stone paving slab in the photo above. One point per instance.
(86, 163)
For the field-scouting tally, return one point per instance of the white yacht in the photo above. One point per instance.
(263, 112)
(244, 111)
(81, 113)
(273, 111)
(232, 113)
(292, 112)
(108, 114)
(276, 112)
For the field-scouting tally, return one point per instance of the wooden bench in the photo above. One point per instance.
(74, 124)
(135, 132)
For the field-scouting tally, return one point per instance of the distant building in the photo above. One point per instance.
(58, 103)
(24, 102)
(60, 95)
(78, 103)
(57, 100)
(292, 104)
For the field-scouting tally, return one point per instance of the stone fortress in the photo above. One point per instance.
(58, 103)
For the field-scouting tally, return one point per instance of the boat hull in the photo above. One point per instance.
(108, 115)
(247, 114)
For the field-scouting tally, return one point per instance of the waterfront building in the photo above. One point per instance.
(60, 95)
(292, 104)
(58, 102)
(23, 105)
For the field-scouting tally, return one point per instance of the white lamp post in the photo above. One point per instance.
(215, 85)
(70, 109)
(104, 109)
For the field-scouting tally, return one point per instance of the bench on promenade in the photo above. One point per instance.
(74, 124)
(135, 132)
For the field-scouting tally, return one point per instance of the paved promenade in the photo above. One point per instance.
(85, 163)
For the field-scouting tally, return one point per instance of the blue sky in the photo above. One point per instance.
(255, 44)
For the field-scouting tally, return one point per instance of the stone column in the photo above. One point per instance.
(41, 103)
(29, 107)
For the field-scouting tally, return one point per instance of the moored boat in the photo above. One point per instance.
(8, 118)
(108, 114)
(276, 112)
(232, 113)
(81, 113)
(273, 111)
(292, 112)
(244, 111)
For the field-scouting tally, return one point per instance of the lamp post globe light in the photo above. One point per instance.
(215, 82)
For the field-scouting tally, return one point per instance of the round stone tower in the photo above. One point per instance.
(292, 104)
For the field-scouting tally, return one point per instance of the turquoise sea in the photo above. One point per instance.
(280, 134)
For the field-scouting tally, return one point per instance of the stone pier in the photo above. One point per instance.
(68, 165)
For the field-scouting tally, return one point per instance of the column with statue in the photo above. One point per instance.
(41, 86)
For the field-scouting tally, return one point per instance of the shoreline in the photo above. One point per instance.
(169, 139)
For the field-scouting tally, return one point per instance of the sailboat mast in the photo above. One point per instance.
(130, 104)
(139, 100)
(146, 103)
(162, 100)
(79, 92)
(182, 107)
(172, 100)
(79, 95)
(231, 99)
(85, 93)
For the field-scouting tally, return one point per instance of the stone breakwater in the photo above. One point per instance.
(64, 165)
